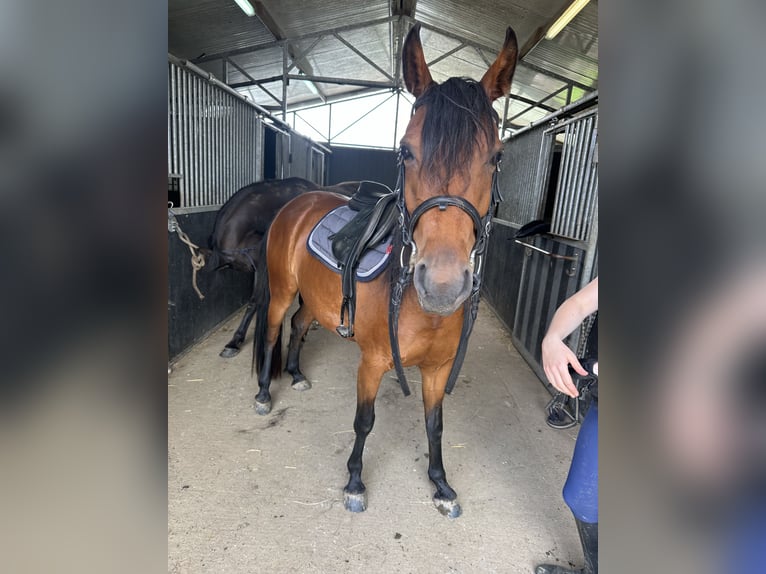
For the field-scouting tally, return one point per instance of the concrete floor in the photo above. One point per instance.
(265, 494)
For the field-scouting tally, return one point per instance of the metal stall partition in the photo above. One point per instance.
(549, 173)
(215, 138)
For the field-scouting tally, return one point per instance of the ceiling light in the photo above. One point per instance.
(564, 19)
(247, 8)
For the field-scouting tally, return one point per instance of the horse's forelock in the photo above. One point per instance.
(459, 114)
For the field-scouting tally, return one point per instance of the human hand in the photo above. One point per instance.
(556, 360)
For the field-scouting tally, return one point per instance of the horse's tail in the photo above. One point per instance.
(262, 299)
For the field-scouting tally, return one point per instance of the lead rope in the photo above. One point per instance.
(197, 259)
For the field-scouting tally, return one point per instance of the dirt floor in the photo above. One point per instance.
(265, 494)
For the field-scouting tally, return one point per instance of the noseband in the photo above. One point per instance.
(401, 278)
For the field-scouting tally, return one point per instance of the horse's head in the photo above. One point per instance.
(450, 150)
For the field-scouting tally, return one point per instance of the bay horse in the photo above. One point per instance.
(240, 226)
(448, 159)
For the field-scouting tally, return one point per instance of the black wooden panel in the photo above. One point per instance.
(190, 319)
(502, 275)
(353, 164)
(545, 283)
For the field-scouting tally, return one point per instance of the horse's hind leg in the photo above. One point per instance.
(269, 336)
(300, 324)
(444, 498)
(232, 347)
(368, 381)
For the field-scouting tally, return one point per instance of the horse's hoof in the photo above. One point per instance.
(355, 502)
(229, 352)
(449, 508)
(262, 408)
(303, 385)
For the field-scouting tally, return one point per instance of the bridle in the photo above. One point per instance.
(402, 275)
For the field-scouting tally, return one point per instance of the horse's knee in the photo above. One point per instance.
(364, 420)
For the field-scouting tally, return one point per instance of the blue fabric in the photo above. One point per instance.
(372, 262)
(581, 488)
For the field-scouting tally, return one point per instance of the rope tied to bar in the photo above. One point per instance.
(197, 258)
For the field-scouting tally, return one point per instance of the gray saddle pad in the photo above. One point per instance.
(372, 262)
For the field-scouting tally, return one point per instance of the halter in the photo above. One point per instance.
(402, 276)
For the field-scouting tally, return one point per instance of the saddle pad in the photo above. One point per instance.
(372, 262)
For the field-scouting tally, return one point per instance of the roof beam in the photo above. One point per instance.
(279, 43)
(276, 30)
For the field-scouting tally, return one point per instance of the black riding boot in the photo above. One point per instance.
(589, 539)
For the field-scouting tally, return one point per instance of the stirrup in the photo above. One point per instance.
(559, 416)
(344, 331)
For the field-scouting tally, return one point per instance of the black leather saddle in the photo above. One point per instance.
(376, 218)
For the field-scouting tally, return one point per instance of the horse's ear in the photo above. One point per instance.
(417, 78)
(497, 80)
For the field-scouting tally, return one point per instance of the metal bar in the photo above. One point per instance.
(197, 141)
(396, 121)
(360, 118)
(585, 101)
(186, 141)
(174, 114)
(169, 71)
(256, 48)
(573, 172)
(578, 179)
(563, 174)
(574, 119)
(582, 186)
(240, 69)
(222, 110)
(321, 80)
(590, 190)
(533, 103)
(537, 105)
(362, 56)
(544, 252)
(505, 114)
(205, 119)
(202, 146)
(284, 82)
(300, 55)
(555, 76)
(447, 54)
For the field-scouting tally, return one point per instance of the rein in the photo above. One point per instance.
(401, 276)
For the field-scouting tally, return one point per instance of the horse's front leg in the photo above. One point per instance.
(434, 382)
(367, 383)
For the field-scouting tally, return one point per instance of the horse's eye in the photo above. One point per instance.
(405, 153)
(497, 158)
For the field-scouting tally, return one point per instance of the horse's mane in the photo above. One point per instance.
(459, 114)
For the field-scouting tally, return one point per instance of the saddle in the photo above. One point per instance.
(376, 216)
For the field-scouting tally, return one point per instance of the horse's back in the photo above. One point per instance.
(298, 217)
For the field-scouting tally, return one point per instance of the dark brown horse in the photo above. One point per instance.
(240, 226)
(449, 156)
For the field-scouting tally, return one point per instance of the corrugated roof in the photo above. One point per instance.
(352, 46)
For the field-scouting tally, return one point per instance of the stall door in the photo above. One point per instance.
(558, 263)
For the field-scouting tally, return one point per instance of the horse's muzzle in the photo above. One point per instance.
(442, 289)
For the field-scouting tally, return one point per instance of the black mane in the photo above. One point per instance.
(459, 114)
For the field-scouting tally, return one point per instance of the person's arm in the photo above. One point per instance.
(556, 355)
